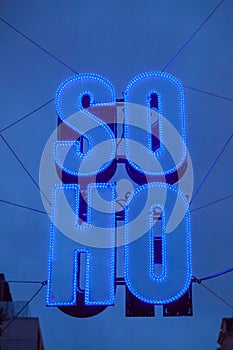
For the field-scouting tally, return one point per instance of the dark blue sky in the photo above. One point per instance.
(117, 39)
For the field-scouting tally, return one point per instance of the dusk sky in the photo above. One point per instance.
(45, 42)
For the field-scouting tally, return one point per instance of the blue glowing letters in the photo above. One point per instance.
(84, 222)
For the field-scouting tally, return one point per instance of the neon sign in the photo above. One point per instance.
(120, 176)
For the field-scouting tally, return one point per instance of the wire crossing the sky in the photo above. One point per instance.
(25, 169)
(214, 293)
(26, 282)
(24, 307)
(211, 168)
(192, 36)
(208, 93)
(23, 206)
(212, 203)
(74, 71)
(39, 46)
(27, 115)
(217, 274)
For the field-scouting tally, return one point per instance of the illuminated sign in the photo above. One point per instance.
(119, 178)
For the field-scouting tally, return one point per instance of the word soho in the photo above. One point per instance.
(119, 178)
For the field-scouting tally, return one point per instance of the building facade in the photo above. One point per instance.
(18, 331)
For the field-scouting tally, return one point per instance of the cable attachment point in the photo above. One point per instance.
(196, 280)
